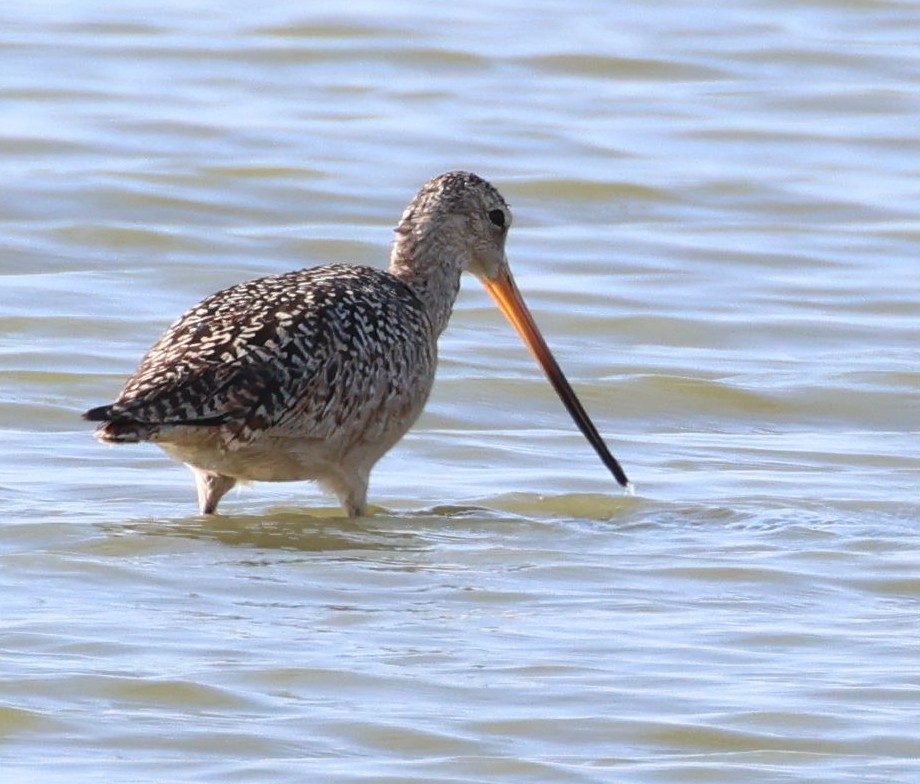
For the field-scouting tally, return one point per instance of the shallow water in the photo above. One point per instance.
(716, 227)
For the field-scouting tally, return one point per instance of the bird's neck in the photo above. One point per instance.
(432, 270)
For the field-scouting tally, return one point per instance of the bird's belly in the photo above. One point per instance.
(290, 456)
(268, 459)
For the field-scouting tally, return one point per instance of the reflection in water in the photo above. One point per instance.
(281, 529)
(325, 530)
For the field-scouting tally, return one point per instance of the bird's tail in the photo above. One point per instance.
(116, 428)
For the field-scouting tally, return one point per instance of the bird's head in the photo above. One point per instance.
(457, 223)
(458, 219)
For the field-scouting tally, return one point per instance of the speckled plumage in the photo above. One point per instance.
(312, 374)
(315, 374)
(298, 354)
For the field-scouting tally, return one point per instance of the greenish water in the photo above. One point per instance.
(716, 228)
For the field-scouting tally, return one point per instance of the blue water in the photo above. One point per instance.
(716, 228)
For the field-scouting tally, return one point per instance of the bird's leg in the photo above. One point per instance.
(211, 488)
(355, 507)
(350, 486)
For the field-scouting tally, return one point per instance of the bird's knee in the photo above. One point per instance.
(211, 488)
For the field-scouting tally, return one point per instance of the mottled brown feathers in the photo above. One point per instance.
(312, 374)
(301, 351)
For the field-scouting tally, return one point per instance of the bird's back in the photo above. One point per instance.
(340, 354)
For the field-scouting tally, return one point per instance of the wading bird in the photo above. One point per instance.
(316, 374)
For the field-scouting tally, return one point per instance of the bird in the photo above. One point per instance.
(315, 374)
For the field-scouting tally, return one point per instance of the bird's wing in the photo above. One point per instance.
(299, 353)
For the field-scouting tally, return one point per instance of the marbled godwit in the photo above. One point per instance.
(315, 374)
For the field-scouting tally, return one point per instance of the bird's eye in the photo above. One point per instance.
(497, 217)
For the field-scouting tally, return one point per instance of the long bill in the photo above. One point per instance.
(505, 292)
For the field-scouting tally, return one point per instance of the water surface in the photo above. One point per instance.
(716, 227)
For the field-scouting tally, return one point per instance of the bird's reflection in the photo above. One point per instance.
(318, 530)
